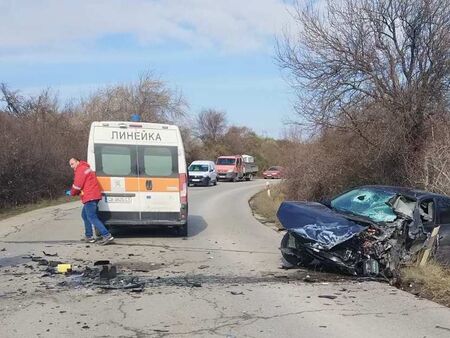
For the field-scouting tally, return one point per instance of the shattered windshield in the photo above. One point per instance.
(366, 202)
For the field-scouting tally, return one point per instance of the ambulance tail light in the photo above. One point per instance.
(183, 189)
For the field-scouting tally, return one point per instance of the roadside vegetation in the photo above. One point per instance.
(265, 206)
(373, 95)
(39, 135)
(431, 281)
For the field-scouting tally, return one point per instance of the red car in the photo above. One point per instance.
(273, 172)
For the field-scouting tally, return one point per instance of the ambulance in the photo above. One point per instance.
(141, 168)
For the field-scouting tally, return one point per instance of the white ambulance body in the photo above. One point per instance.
(141, 169)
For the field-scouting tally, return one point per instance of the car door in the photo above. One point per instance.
(117, 173)
(159, 181)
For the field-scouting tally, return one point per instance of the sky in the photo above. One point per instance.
(219, 54)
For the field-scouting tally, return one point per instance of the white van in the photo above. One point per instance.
(202, 172)
(141, 169)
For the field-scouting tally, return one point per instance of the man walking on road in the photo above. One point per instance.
(86, 185)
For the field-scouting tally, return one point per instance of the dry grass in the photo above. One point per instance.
(10, 212)
(431, 281)
(266, 206)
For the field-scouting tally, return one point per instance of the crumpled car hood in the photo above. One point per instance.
(318, 223)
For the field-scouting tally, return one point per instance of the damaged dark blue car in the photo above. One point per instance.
(367, 231)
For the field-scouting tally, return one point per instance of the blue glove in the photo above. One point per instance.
(67, 192)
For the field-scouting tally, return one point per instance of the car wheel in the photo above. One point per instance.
(293, 259)
(215, 182)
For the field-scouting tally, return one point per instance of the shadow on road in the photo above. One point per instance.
(196, 224)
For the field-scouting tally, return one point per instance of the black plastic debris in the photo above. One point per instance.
(327, 296)
(102, 262)
(108, 272)
(50, 254)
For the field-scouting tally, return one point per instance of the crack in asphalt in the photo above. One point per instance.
(120, 308)
(242, 320)
(137, 332)
(167, 247)
(17, 228)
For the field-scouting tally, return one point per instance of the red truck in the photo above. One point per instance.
(236, 167)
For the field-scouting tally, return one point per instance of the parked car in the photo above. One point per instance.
(274, 172)
(202, 173)
(370, 230)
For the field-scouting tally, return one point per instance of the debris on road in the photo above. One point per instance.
(327, 296)
(64, 268)
(49, 254)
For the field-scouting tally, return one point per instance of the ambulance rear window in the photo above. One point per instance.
(114, 160)
(160, 161)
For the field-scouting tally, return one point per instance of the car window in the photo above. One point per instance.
(444, 211)
(426, 210)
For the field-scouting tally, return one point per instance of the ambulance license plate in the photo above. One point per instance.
(117, 199)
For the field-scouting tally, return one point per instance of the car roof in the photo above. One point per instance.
(413, 192)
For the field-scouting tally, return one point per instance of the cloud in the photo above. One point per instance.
(58, 25)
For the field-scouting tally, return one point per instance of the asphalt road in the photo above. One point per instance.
(223, 280)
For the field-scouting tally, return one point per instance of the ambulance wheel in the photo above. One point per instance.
(182, 230)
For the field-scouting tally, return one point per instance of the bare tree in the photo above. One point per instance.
(363, 62)
(211, 125)
(12, 99)
(148, 97)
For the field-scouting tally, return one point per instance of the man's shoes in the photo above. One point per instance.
(108, 239)
(88, 240)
